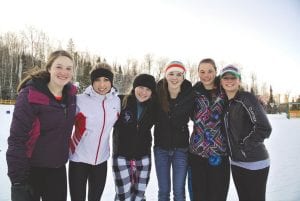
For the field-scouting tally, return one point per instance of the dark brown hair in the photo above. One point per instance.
(163, 95)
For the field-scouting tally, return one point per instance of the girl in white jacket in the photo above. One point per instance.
(98, 108)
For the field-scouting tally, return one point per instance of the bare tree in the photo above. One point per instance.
(37, 43)
(148, 62)
(254, 89)
(287, 97)
(12, 64)
(193, 72)
(134, 67)
(264, 90)
(161, 63)
(71, 46)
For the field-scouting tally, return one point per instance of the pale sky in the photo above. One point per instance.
(262, 36)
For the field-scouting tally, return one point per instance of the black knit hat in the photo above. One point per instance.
(145, 80)
(102, 72)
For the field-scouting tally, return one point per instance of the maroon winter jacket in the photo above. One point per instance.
(40, 129)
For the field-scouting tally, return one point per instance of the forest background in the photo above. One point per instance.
(20, 52)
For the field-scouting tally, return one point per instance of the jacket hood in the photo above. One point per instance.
(41, 85)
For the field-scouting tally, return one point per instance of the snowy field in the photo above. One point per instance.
(283, 145)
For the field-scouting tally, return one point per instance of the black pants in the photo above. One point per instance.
(250, 184)
(209, 182)
(50, 184)
(80, 173)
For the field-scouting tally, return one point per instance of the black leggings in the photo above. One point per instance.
(80, 173)
(209, 182)
(250, 184)
(50, 184)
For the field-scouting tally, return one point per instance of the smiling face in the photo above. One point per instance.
(102, 85)
(207, 74)
(61, 71)
(231, 84)
(174, 79)
(142, 93)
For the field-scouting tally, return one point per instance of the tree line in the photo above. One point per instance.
(19, 52)
(23, 51)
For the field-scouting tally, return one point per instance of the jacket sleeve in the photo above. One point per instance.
(21, 125)
(261, 125)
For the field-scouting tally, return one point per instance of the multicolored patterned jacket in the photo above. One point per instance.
(207, 138)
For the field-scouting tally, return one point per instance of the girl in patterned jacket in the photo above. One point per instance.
(98, 108)
(210, 169)
(41, 127)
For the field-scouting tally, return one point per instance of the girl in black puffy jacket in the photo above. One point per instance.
(171, 133)
(132, 140)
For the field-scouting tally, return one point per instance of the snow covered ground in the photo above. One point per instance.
(283, 145)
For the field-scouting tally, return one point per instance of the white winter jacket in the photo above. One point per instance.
(95, 116)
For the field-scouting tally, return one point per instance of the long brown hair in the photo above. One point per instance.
(163, 95)
(43, 73)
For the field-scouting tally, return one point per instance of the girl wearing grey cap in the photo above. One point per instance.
(246, 126)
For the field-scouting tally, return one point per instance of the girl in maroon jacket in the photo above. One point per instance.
(43, 118)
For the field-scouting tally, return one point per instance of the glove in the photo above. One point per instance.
(21, 192)
(80, 127)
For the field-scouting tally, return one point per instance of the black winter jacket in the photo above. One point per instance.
(131, 137)
(246, 126)
(171, 130)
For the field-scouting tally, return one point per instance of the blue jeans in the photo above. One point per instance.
(164, 160)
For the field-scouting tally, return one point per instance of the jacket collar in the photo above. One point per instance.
(91, 92)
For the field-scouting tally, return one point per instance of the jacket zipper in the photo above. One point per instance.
(65, 111)
(251, 118)
(226, 131)
(226, 127)
(103, 107)
(138, 122)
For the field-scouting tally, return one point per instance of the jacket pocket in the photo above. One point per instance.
(239, 154)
